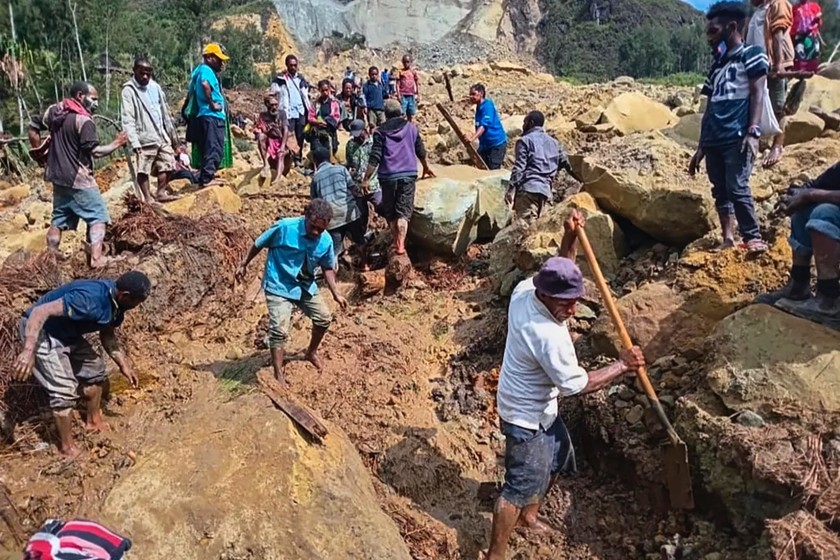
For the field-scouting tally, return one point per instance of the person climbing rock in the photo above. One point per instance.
(491, 135)
(397, 146)
(72, 147)
(333, 183)
(538, 159)
(730, 130)
(769, 28)
(296, 247)
(272, 130)
(151, 133)
(54, 345)
(814, 210)
(539, 365)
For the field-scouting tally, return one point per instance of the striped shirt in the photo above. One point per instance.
(334, 184)
(728, 87)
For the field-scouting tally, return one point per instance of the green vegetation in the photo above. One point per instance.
(57, 42)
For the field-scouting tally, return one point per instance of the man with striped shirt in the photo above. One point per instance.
(730, 129)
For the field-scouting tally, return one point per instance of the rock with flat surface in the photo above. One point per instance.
(765, 358)
(645, 182)
(238, 478)
(206, 200)
(687, 130)
(821, 92)
(459, 206)
(802, 127)
(635, 112)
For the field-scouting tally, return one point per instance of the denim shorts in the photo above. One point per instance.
(532, 459)
(72, 205)
(819, 218)
(409, 105)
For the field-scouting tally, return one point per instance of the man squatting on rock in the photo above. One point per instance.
(296, 246)
(538, 366)
(54, 345)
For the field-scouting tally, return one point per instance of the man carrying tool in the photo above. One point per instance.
(397, 146)
(54, 345)
(538, 159)
(538, 366)
(73, 144)
(151, 133)
(491, 135)
(296, 247)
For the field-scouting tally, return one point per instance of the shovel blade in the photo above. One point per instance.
(678, 476)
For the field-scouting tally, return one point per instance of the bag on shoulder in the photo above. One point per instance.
(768, 122)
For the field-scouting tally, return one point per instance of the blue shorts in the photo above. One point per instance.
(820, 218)
(532, 459)
(72, 205)
(409, 105)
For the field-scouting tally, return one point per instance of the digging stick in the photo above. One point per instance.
(474, 157)
(448, 85)
(127, 153)
(677, 474)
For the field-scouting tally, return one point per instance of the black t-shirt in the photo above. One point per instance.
(73, 139)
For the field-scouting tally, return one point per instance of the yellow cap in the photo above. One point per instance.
(216, 50)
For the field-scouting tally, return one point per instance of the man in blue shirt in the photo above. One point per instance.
(375, 93)
(491, 136)
(730, 130)
(296, 246)
(207, 91)
(53, 344)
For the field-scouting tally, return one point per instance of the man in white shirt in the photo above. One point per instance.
(539, 365)
(293, 94)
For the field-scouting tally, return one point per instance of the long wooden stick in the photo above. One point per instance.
(609, 303)
(474, 157)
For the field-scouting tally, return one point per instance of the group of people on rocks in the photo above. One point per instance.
(381, 169)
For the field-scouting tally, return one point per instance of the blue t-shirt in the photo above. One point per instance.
(727, 115)
(205, 73)
(89, 306)
(494, 133)
(293, 257)
(374, 95)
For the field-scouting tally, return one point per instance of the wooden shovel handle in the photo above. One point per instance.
(609, 302)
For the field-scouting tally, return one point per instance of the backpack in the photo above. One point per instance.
(189, 112)
(805, 18)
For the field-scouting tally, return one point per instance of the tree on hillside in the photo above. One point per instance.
(646, 52)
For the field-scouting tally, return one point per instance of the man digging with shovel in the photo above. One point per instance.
(538, 366)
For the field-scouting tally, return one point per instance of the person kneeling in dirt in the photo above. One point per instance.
(539, 365)
(272, 128)
(538, 159)
(53, 332)
(296, 246)
(814, 209)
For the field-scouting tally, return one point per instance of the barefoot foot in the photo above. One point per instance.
(315, 360)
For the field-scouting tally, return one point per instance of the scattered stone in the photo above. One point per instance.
(750, 419)
(802, 127)
(600, 128)
(507, 66)
(667, 400)
(626, 393)
(684, 111)
(624, 81)
(831, 120)
(590, 117)
(635, 414)
(13, 195)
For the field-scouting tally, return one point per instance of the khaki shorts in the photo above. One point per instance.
(528, 206)
(376, 117)
(280, 315)
(153, 160)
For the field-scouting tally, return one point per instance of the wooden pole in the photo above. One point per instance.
(474, 157)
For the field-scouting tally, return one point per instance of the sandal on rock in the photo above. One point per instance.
(755, 246)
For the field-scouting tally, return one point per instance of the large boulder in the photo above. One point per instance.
(635, 112)
(802, 127)
(238, 480)
(543, 237)
(831, 71)
(656, 195)
(686, 131)
(821, 92)
(765, 359)
(659, 319)
(459, 206)
(513, 125)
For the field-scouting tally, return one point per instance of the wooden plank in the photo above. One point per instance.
(10, 515)
(448, 86)
(474, 157)
(297, 412)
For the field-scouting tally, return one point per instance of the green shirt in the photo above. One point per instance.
(357, 156)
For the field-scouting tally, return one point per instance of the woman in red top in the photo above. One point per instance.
(805, 32)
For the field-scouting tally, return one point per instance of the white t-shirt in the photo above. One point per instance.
(539, 363)
(755, 31)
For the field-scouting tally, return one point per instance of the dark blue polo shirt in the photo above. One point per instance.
(89, 306)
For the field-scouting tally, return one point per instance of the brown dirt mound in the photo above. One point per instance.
(800, 535)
